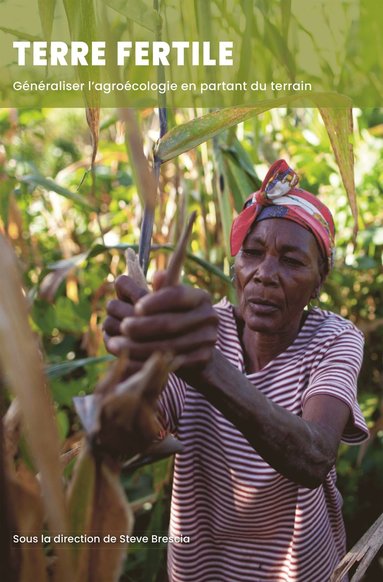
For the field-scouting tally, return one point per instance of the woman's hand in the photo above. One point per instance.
(178, 319)
(128, 293)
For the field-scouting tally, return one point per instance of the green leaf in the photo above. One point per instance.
(185, 137)
(82, 24)
(189, 135)
(68, 263)
(20, 35)
(339, 125)
(52, 186)
(138, 11)
(242, 159)
(222, 193)
(62, 424)
(71, 316)
(154, 554)
(239, 182)
(47, 12)
(277, 45)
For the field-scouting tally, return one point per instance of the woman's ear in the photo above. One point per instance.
(315, 294)
(321, 278)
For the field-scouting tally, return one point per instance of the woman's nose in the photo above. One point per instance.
(267, 271)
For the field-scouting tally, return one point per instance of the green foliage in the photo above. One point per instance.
(70, 246)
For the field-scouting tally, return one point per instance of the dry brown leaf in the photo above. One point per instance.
(81, 496)
(98, 508)
(93, 120)
(51, 282)
(130, 408)
(22, 367)
(134, 270)
(364, 552)
(12, 430)
(146, 183)
(112, 516)
(27, 509)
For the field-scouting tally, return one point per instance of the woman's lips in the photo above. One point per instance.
(263, 306)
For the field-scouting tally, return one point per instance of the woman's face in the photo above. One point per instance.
(277, 273)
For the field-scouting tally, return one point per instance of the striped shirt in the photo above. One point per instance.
(246, 522)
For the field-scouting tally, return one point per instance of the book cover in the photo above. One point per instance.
(118, 119)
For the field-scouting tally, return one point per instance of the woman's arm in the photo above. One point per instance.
(182, 320)
(302, 449)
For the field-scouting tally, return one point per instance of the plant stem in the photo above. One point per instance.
(148, 219)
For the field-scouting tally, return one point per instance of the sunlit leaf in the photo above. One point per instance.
(191, 134)
(338, 122)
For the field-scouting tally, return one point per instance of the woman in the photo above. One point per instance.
(266, 393)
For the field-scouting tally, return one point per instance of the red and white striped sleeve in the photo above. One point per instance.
(171, 403)
(336, 375)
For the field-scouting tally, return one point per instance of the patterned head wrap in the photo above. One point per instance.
(279, 197)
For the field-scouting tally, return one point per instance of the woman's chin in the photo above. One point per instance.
(263, 322)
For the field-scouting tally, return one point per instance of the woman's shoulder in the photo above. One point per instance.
(323, 317)
(328, 326)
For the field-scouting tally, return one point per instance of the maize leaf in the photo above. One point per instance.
(21, 365)
(93, 120)
(189, 135)
(221, 191)
(47, 13)
(21, 35)
(338, 122)
(81, 493)
(82, 24)
(98, 508)
(27, 509)
(52, 186)
(111, 516)
(138, 11)
(239, 182)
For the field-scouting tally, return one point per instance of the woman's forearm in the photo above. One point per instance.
(300, 450)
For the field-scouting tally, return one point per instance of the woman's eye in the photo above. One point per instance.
(293, 261)
(252, 252)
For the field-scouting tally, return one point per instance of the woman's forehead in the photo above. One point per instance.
(282, 232)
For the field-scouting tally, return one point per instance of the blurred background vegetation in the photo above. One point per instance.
(69, 234)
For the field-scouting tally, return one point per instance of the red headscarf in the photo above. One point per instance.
(280, 198)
